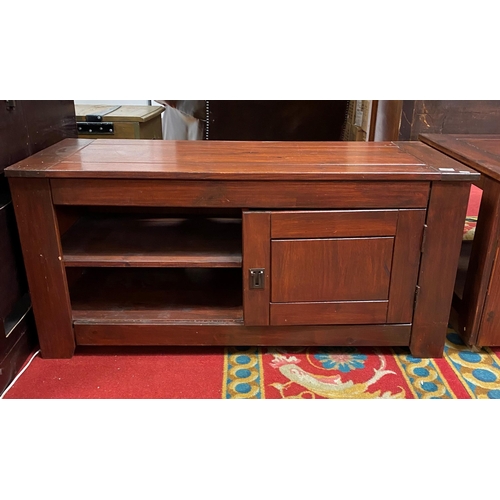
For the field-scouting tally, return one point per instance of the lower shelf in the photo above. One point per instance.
(163, 296)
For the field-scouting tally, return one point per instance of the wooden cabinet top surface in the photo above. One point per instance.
(478, 151)
(245, 160)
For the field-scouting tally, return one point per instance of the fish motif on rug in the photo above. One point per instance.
(361, 373)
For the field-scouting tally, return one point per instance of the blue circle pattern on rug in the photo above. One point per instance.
(479, 370)
(242, 376)
(424, 378)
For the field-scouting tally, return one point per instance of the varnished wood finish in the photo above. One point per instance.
(219, 160)
(476, 310)
(386, 118)
(481, 152)
(342, 259)
(286, 194)
(153, 242)
(481, 262)
(450, 169)
(256, 255)
(151, 334)
(331, 269)
(490, 319)
(36, 164)
(329, 313)
(438, 268)
(66, 217)
(405, 265)
(42, 253)
(333, 224)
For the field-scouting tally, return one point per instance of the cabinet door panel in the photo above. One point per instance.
(322, 270)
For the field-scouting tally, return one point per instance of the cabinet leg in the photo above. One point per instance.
(39, 235)
(482, 274)
(438, 268)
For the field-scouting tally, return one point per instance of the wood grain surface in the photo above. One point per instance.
(331, 269)
(241, 160)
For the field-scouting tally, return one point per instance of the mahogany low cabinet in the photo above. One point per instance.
(240, 243)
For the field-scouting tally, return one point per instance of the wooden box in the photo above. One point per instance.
(119, 122)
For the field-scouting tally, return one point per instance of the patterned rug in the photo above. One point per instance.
(264, 373)
(350, 373)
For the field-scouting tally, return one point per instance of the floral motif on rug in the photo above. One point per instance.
(361, 373)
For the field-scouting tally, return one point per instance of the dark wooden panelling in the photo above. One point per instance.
(405, 265)
(490, 323)
(44, 267)
(475, 314)
(483, 253)
(329, 313)
(331, 269)
(13, 135)
(333, 224)
(438, 268)
(256, 254)
(341, 335)
(31, 126)
(361, 194)
(12, 280)
(481, 153)
(48, 122)
(276, 120)
(21, 343)
(448, 117)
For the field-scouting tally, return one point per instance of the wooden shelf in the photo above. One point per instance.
(158, 296)
(153, 242)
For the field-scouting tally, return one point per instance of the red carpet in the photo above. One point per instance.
(122, 373)
(263, 373)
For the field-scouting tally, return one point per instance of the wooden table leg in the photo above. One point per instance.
(438, 268)
(39, 234)
(479, 272)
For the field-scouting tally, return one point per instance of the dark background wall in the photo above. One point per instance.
(26, 127)
(448, 117)
(276, 120)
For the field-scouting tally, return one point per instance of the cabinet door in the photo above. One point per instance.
(341, 267)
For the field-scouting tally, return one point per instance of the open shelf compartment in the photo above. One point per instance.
(145, 241)
(158, 296)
